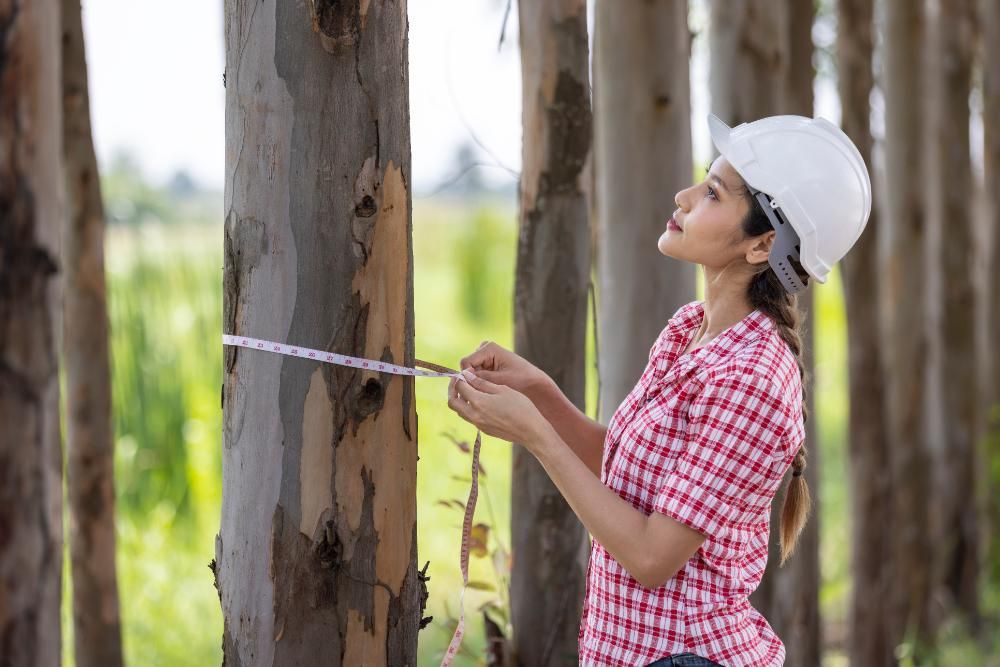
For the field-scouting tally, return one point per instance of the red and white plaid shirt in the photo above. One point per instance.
(704, 437)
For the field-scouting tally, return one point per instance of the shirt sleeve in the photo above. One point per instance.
(730, 460)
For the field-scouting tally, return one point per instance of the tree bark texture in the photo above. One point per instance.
(904, 310)
(643, 157)
(749, 59)
(549, 544)
(89, 434)
(868, 454)
(31, 195)
(316, 556)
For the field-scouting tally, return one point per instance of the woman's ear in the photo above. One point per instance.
(760, 247)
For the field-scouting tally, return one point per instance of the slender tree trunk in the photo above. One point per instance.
(31, 194)
(642, 144)
(990, 24)
(550, 319)
(90, 442)
(958, 563)
(749, 58)
(867, 437)
(761, 65)
(316, 557)
(789, 596)
(904, 339)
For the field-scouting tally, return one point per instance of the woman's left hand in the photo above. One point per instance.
(497, 410)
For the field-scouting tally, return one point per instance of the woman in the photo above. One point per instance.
(676, 490)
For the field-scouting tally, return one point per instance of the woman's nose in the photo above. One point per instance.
(678, 200)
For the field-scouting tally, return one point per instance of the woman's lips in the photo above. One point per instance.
(672, 224)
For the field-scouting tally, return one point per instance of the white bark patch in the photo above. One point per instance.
(316, 463)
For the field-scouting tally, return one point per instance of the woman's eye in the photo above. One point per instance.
(712, 192)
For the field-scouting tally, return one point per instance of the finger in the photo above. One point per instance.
(480, 358)
(466, 391)
(479, 383)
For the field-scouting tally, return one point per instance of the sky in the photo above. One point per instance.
(156, 89)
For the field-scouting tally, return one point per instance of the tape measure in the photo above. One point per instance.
(435, 370)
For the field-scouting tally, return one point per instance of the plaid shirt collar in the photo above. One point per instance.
(752, 326)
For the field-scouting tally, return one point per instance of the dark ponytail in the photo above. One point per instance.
(767, 294)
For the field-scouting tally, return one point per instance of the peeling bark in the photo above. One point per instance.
(31, 194)
(316, 557)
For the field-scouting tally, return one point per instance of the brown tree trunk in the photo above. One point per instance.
(549, 544)
(316, 556)
(904, 339)
(867, 636)
(990, 22)
(642, 152)
(956, 557)
(749, 59)
(761, 65)
(789, 596)
(89, 437)
(31, 544)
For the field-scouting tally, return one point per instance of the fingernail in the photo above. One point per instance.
(468, 374)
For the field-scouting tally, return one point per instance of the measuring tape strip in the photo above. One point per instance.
(385, 367)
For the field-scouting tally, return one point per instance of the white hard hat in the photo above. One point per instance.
(810, 173)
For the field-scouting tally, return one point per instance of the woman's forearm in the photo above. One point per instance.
(583, 435)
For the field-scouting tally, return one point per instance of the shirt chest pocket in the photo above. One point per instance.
(653, 436)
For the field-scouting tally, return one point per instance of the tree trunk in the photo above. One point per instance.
(642, 145)
(990, 22)
(316, 556)
(31, 194)
(904, 309)
(867, 436)
(789, 596)
(749, 58)
(761, 65)
(957, 560)
(90, 442)
(549, 544)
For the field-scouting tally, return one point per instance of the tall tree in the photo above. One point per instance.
(789, 596)
(904, 313)
(643, 157)
(31, 543)
(761, 65)
(867, 431)
(316, 556)
(958, 559)
(549, 544)
(90, 443)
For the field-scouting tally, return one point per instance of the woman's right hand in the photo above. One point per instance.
(502, 366)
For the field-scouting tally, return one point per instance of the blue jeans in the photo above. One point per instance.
(684, 660)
